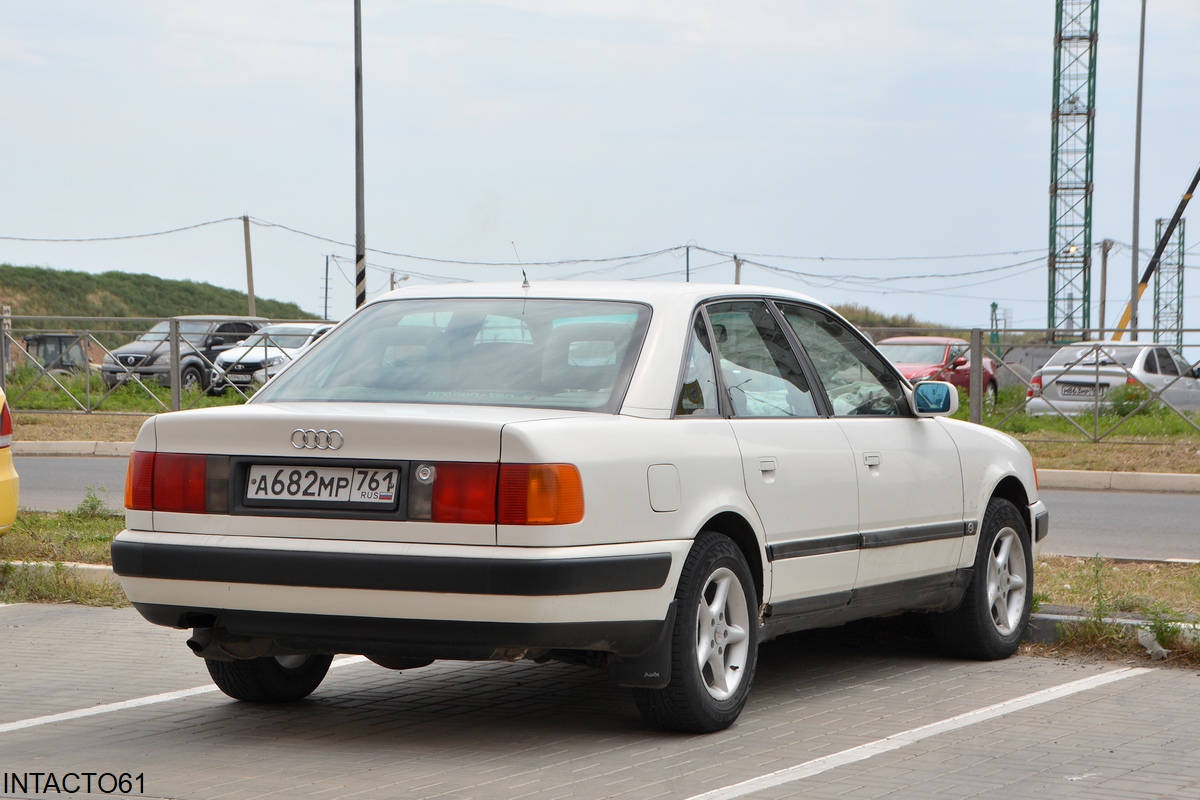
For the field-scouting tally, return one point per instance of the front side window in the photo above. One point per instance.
(761, 374)
(473, 351)
(857, 380)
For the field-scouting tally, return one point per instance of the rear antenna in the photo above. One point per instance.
(524, 277)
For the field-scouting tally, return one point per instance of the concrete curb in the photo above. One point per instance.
(1120, 481)
(92, 573)
(111, 449)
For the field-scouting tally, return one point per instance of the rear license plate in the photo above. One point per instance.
(1081, 390)
(299, 485)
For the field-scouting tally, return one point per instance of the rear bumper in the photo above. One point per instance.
(438, 601)
(413, 638)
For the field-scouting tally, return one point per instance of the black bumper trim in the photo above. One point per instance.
(843, 542)
(492, 576)
(411, 637)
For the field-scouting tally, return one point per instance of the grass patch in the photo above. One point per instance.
(84, 534)
(1165, 596)
(32, 427)
(28, 390)
(58, 584)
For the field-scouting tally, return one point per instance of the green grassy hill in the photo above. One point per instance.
(38, 291)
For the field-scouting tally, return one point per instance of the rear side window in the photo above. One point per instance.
(761, 374)
(539, 353)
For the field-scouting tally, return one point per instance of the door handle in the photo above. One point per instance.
(768, 464)
(872, 459)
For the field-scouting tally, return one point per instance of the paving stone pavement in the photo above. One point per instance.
(457, 730)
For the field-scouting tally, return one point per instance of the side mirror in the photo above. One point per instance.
(961, 361)
(935, 399)
(216, 341)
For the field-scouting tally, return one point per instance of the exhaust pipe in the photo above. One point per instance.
(218, 644)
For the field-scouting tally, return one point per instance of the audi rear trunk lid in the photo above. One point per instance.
(328, 438)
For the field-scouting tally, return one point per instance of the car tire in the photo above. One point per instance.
(190, 380)
(994, 613)
(991, 395)
(273, 679)
(710, 681)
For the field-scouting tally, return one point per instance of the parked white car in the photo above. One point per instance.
(1080, 375)
(648, 478)
(263, 354)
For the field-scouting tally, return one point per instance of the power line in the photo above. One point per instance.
(120, 238)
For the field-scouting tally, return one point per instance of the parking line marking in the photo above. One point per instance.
(137, 702)
(914, 735)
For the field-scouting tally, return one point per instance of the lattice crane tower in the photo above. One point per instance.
(1073, 121)
(1168, 287)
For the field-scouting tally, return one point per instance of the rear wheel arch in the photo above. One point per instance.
(738, 529)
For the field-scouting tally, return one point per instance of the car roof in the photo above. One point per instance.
(1109, 343)
(654, 293)
(219, 318)
(310, 325)
(922, 340)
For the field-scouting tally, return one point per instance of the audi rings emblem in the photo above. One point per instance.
(317, 440)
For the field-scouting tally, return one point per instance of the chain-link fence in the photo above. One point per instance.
(1035, 382)
(126, 365)
(1030, 382)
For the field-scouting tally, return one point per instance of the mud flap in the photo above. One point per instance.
(648, 670)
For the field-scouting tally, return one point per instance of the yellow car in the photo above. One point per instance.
(10, 484)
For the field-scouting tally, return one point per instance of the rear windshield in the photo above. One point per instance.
(189, 330)
(913, 353)
(1092, 355)
(566, 354)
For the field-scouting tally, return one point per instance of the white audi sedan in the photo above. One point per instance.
(651, 479)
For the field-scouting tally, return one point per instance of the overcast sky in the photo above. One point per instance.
(562, 130)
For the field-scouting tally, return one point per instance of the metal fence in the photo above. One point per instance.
(67, 365)
(1096, 387)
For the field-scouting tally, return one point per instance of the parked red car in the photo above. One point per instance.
(939, 358)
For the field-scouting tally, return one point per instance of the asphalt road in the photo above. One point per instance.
(1123, 524)
(60, 483)
(1082, 523)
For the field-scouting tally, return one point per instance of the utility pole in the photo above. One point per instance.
(1137, 184)
(360, 233)
(687, 264)
(1105, 248)
(737, 269)
(249, 263)
(326, 315)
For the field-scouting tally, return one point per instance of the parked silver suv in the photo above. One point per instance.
(201, 338)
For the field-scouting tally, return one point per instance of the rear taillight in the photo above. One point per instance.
(1132, 381)
(5, 426)
(540, 494)
(510, 494)
(1035, 386)
(181, 482)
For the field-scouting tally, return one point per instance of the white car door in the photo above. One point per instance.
(796, 462)
(1180, 387)
(910, 490)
